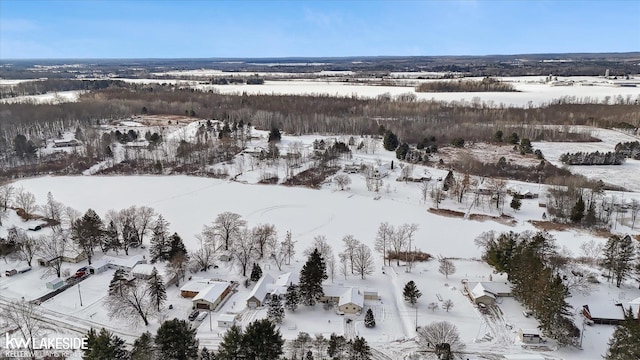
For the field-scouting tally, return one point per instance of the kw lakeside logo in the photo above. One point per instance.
(59, 343)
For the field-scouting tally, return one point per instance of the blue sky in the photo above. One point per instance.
(204, 29)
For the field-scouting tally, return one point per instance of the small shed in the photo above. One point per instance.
(55, 283)
(371, 294)
(226, 320)
(530, 336)
(225, 256)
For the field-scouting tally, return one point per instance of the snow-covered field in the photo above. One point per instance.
(48, 98)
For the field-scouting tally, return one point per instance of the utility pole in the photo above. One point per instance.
(79, 294)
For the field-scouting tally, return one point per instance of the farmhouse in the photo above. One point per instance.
(193, 287)
(210, 297)
(259, 293)
(487, 292)
(349, 299)
(610, 314)
(69, 255)
(126, 264)
(65, 143)
(226, 320)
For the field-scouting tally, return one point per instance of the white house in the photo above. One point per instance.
(487, 292)
(351, 301)
(144, 271)
(193, 287)
(226, 320)
(126, 264)
(98, 266)
(282, 282)
(259, 293)
(210, 297)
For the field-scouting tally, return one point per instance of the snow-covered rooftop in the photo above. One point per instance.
(351, 296)
(212, 292)
(129, 262)
(261, 288)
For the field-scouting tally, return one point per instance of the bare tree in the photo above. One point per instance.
(178, 266)
(437, 333)
(203, 258)
(320, 243)
(24, 316)
(402, 238)
(289, 246)
(424, 190)
(6, 195)
(497, 187)
(27, 245)
(342, 180)
(447, 305)
(446, 267)
(344, 265)
(26, 201)
(227, 225)
(437, 195)
(243, 249)
(635, 208)
(362, 260)
(69, 215)
(265, 238)
(591, 250)
(130, 303)
(577, 280)
(279, 254)
(331, 267)
(383, 240)
(143, 217)
(350, 245)
(53, 209)
(51, 248)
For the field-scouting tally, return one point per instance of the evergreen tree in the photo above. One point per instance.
(359, 349)
(275, 312)
(262, 341)
(118, 282)
(291, 298)
(231, 346)
(104, 346)
(256, 272)
(160, 245)
(112, 238)
(401, 151)
(337, 346)
(618, 257)
(275, 135)
(590, 217)
(577, 212)
(625, 341)
(390, 141)
(157, 288)
(497, 137)
(311, 277)
(176, 247)
(176, 339)
(369, 320)
(143, 347)
(448, 182)
(516, 203)
(411, 293)
(87, 232)
(205, 354)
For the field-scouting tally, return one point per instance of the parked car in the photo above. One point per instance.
(202, 316)
(194, 314)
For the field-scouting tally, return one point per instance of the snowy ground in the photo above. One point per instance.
(188, 203)
(48, 98)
